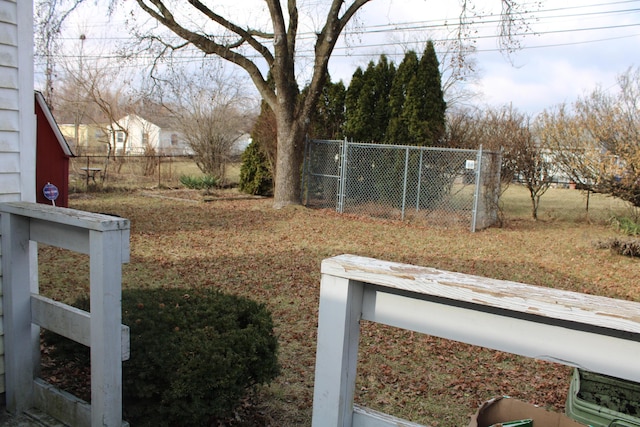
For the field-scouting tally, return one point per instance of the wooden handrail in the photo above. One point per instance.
(106, 240)
(592, 332)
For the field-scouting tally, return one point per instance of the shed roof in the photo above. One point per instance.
(52, 123)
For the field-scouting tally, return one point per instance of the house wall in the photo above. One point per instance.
(90, 139)
(17, 116)
(173, 143)
(137, 127)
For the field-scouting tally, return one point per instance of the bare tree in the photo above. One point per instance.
(49, 18)
(524, 157)
(113, 103)
(273, 44)
(596, 139)
(575, 151)
(211, 111)
(530, 161)
(106, 98)
(458, 68)
(488, 127)
(72, 105)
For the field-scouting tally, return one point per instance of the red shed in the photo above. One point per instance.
(52, 155)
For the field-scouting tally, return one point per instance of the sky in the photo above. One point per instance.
(567, 50)
(570, 48)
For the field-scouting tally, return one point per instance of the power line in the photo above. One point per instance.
(414, 26)
(442, 23)
(190, 59)
(389, 44)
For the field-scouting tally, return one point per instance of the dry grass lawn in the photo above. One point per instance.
(243, 246)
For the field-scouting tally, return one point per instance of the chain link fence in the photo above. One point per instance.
(445, 187)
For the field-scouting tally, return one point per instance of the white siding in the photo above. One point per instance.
(136, 128)
(10, 163)
(8, 98)
(17, 118)
(9, 182)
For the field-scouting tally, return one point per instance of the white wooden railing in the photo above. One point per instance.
(106, 240)
(594, 333)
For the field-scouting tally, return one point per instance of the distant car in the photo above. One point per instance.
(602, 401)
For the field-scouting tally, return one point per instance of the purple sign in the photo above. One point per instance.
(50, 191)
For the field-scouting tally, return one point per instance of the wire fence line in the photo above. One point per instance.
(441, 186)
(130, 170)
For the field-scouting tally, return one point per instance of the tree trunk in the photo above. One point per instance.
(535, 202)
(289, 157)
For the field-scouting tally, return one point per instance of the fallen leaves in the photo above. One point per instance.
(245, 247)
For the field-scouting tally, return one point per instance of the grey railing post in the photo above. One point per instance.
(106, 351)
(337, 351)
(106, 240)
(19, 335)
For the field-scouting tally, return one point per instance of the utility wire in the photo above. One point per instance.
(349, 51)
(441, 23)
(303, 53)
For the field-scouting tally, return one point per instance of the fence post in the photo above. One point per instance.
(87, 183)
(304, 193)
(343, 176)
(106, 240)
(404, 183)
(476, 193)
(419, 181)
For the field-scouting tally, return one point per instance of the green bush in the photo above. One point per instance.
(627, 226)
(198, 183)
(255, 177)
(195, 354)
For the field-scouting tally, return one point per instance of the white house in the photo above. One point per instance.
(17, 116)
(134, 135)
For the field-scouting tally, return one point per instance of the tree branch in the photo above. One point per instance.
(208, 45)
(245, 35)
(325, 44)
(292, 32)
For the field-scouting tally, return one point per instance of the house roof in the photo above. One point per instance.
(164, 122)
(52, 123)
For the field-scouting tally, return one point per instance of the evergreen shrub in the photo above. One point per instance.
(255, 176)
(195, 354)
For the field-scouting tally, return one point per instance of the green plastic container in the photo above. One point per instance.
(603, 401)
